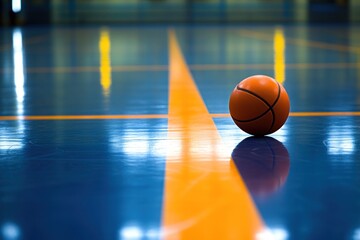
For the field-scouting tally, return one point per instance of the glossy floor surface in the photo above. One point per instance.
(124, 133)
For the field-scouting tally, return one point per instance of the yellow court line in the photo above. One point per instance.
(204, 196)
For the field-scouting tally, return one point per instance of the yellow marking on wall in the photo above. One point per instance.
(105, 61)
(204, 197)
(279, 55)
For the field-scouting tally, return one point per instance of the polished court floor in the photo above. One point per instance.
(124, 133)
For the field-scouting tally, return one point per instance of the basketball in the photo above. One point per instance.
(259, 105)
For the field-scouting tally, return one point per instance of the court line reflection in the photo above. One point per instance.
(19, 76)
(263, 163)
(12, 138)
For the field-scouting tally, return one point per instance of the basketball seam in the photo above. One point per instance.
(273, 105)
(263, 100)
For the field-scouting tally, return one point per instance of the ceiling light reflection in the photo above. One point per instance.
(356, 235)
(174, 149)
(131, 233)
(272, 234)
(340, 140)
(11, 138)
(281, 134)
(153, 233)
(136, 143)
(19, 77)
(9, 144)
(10, 231)
(135, 233)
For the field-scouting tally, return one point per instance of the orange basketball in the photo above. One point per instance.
(259, 105)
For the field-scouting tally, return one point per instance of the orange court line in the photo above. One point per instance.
(204, 196)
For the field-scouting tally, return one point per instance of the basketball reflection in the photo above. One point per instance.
(263, 163)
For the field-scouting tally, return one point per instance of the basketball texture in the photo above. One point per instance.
(259, 105)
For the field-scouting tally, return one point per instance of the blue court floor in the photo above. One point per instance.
(84, 131)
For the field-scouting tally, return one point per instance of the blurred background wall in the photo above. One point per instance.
(178, 11)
